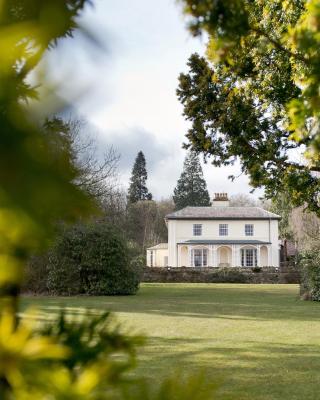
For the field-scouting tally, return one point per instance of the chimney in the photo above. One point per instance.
(220, 200)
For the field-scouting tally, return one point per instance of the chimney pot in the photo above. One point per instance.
(220, 200)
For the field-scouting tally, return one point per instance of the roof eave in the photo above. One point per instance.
(224, 218)
(190, 242)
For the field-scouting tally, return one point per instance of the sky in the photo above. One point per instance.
(125, 87)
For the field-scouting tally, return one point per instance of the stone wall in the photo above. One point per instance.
(284, 274)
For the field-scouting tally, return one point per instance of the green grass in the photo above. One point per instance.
(259, 341)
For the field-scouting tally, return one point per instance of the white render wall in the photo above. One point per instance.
(182, 230)
(172, 243)
(274, 234)
(159, 257)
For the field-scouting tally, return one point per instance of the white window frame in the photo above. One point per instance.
(249, 257)
(202, 255)
(249, 229)
(223, 229)
(197, 229)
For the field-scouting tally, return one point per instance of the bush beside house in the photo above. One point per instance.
(91, 259)
(309, 262)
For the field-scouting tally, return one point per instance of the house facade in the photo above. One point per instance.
(158, 256)
(219, 236)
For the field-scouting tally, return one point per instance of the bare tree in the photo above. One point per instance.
(114, 207)
(306, 228)
(164, 207)
(97, 171)
(141, 217)
(243, 200)
(145, 222)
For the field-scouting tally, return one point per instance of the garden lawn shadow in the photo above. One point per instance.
(258, 341)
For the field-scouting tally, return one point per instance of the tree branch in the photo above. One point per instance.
(279, 46)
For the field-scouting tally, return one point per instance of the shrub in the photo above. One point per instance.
(36, 275)
(232, 275)
(309, 263)
(64, 262)
(92, 259)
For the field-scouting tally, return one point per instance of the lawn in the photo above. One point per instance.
(258, 341)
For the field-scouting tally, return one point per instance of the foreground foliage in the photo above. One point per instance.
(69, 360)
(75, 359)
(37, 173)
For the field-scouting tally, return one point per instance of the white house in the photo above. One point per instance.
(218, 236)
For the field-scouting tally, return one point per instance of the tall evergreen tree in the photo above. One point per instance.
(138, 189)
(191, 189)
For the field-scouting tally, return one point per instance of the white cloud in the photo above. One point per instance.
(128, 92)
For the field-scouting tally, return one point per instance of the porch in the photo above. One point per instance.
(235, 254)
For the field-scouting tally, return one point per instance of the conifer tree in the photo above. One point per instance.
(138, 189)
(191, 189)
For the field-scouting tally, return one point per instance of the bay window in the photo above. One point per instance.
(199, 257)
(249, 258)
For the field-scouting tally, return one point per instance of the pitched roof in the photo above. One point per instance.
(222, 213)
(224, 242)
(160, 246)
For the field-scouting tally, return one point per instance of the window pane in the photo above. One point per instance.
(223, 229)
(197, 230)
(205, 257)
(200, 257)
(242, 258)
(249, 257)
(197, 258)
(248, 230)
